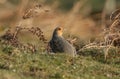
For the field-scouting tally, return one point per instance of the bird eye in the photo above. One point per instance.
(59, 28)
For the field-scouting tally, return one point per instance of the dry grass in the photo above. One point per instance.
(48, 17)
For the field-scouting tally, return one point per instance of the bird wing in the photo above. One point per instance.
(57, 45)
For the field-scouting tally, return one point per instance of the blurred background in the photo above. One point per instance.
(82, 18)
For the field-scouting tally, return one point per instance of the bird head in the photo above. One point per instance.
(58, 31)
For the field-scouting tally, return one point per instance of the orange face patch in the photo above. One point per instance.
(59, 31)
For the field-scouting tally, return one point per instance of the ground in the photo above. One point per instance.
(25, 65)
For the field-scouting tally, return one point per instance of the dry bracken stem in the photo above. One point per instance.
(10, 38)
